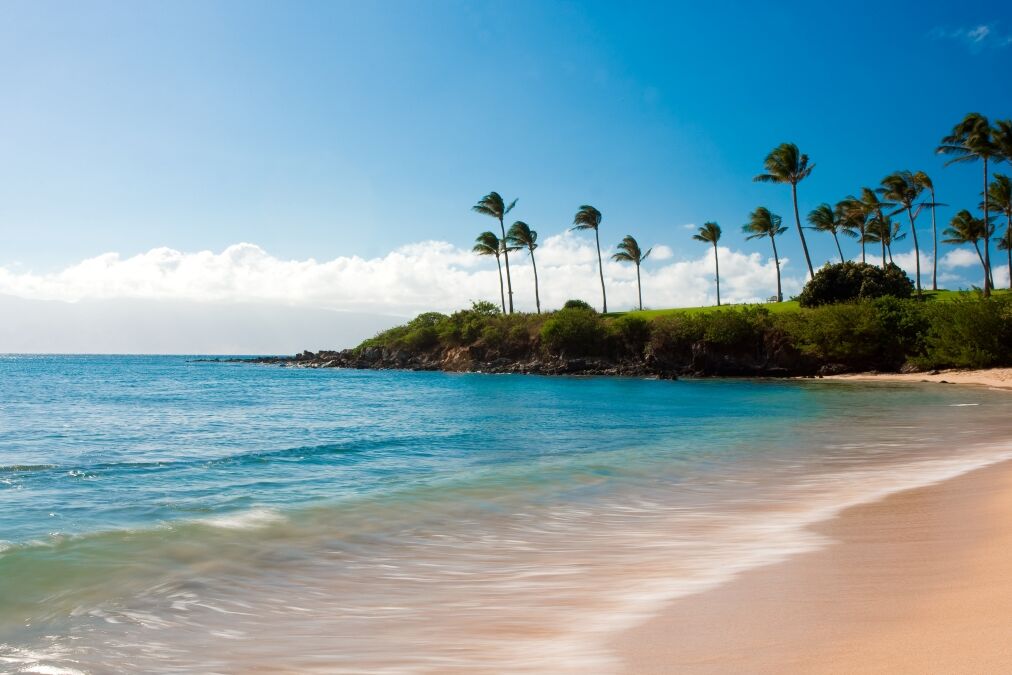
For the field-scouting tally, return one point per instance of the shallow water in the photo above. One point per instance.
(160, 515)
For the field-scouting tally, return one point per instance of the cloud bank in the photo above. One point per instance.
(430, 275)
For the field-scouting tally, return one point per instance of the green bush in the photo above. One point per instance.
(969, 332)
(578, 304)
(735, 328)
(848, 281)
(852, 334)
(574, 332)
(630, 334)
(672, 337)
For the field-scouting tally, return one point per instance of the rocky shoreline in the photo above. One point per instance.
(704, 361)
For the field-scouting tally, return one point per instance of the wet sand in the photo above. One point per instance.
(997, 378)
(918, 582)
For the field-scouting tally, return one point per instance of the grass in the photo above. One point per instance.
(781, 307)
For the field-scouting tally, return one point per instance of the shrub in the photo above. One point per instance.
(630, 334)
(672, 337)
(968, 332)
(844, 282)
(852, 334)
(578, 304)
(735, 328)
(574, 332)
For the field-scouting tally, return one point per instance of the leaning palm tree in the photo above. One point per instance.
(763, 223)
(970, 140)
(925, 182)
(710, 234)
(965, 229)
(493, 205)
(877, 229)
(1000, 194)
(489, 244)
(903, 188)
(855, 221)
(589, 218)
(825, 218)
(787, 164)
(522, 236)
(629, 251)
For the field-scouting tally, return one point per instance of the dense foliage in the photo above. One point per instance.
(846, 281)
(884, 333)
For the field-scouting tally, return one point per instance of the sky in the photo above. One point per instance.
(323, 157)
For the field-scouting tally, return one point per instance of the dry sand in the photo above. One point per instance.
(998, 378)
(920, 582)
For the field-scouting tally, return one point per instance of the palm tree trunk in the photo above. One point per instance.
(980, 256)
(987, 239)
(537, 295)
(863, 261)
(639, 286)
(502, 295)
(1009, 253)
(600, 269)
(716, 264)
(889, 248)
(917, 249)
(838, 249)
(883, 253)
(934, 252)
(506, 254)
(801, 232)
(776, 260)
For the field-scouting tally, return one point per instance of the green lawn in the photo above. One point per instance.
(782, 307)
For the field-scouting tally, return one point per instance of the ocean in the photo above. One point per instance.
(159, 514)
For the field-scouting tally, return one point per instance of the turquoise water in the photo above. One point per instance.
(158, 514)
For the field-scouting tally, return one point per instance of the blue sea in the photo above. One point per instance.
(160, 514)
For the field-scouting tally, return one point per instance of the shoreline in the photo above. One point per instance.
(913, 582)
(995, 378)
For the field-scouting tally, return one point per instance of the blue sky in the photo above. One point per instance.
(333, 130)
(325, 129)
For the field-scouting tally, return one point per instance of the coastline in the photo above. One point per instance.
(914, 582)
(995, 378)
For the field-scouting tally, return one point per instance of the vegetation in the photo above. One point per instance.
(787, 164)
(762, 223)
(522, 236)
(589, 218)
(944, 329)
(709, 233)
(848, 281)
(629, 251)
(493, 205)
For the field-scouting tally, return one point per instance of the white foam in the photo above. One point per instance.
(251, 519)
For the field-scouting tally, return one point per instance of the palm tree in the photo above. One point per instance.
(825, 218)
(489, 244)
(493, 205)
(522, 236)
(925, 182)
(902, 188)
(965, 229)
(856, 223)
(629, 251)
(589, 218)
(761, 224)
(1000, 194)
(710, 234)
(970, 140)
(876, 228)
(1005, 244)
(787, 164)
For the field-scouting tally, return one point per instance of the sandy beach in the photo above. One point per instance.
(998, 378)
(918, 582)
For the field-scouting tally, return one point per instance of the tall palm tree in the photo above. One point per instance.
(902, 188)
(825, 218)
(629, 251)
(925, 182)
(970, 140)
(493, 205)
(489, 244)
(763, 223)
(1000, 194)
(787, 164)
(522, 236)
(710, 234)
(856, 223)
(589, 218)
(965, 229)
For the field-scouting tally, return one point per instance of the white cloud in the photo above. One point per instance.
(975, 37)
(424, 276)
(959, 257)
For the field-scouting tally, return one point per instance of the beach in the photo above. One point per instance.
(997, 378)
(917, 582)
